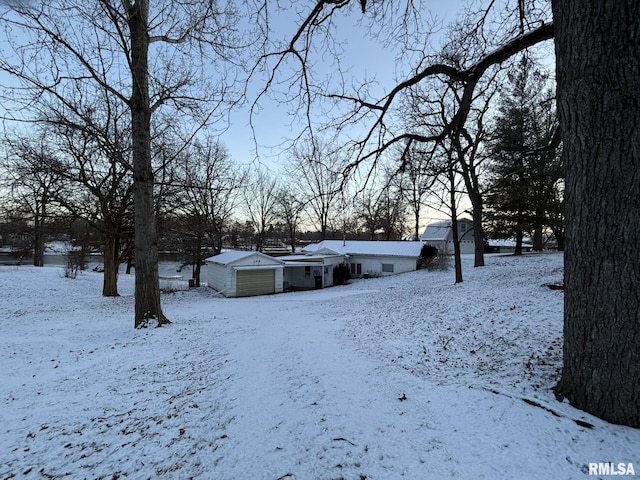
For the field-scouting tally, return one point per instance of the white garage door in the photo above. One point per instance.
(255, 282)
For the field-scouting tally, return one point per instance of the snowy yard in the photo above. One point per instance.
(408, 376)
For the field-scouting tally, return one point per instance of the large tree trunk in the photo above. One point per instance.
(558, 232)
(292, 238)
(478, 231)
(111, 266)
(538, 240)
(598, 72)
(197, 261)
(469, 174)
(38, 243)
(147, 287)
(457, 257)
(519, 236)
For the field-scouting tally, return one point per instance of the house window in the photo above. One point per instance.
(356, 269)
(307, 272)
(387, 267)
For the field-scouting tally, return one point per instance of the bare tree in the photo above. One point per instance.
(261, 202)
(316, 171)
(367, 210)
(451, 185)
(597, 77)
(73, 44)
(448, 190)
(290, 208)
(209, 187)
(432, 108)
(383, 208)
(92, 132)
(34, 182)
(416, 174)
(393, 212)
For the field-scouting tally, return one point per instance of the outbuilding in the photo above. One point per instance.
(440, 235)
(244, 273)
(505, 246)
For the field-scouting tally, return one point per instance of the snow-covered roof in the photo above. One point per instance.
(316, 255)
(232, 256)
(361, 247)
(438, 231)
(505, 242)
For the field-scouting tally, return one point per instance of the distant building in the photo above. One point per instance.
(440, 235)
(505, 246)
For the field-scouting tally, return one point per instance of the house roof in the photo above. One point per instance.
(439, 230)
(233, 256)
(506, 243)
(360, 247)
(315, 256)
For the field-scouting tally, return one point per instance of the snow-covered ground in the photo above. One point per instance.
(408, 376)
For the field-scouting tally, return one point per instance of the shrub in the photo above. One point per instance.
(438, 263)
(75, 262)
(428, 251)
(341, 274)
(427, 254)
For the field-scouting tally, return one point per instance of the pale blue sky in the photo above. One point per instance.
(364, 57)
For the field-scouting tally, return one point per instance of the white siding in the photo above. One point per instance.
(279, 273)
(372, 266)
(402, 265)
(219, 278)
(440, 235)
(222, 269)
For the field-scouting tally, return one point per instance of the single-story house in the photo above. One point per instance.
(373, 258)
(311, 269)
(440, 235)
(244, 273)
(505, 246)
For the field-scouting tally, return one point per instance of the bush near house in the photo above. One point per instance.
(341, 274)
(428, 251)
(427, 254)
(430, 260)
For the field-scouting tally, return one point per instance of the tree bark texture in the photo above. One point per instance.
(470, 177)
(457, 256)
(598, 74)
(39, 222)
(197, 264)
(111, 267)
(477, 215)
(38, 242)
(147, 287)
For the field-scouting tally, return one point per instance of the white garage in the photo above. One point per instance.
(245, 274)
